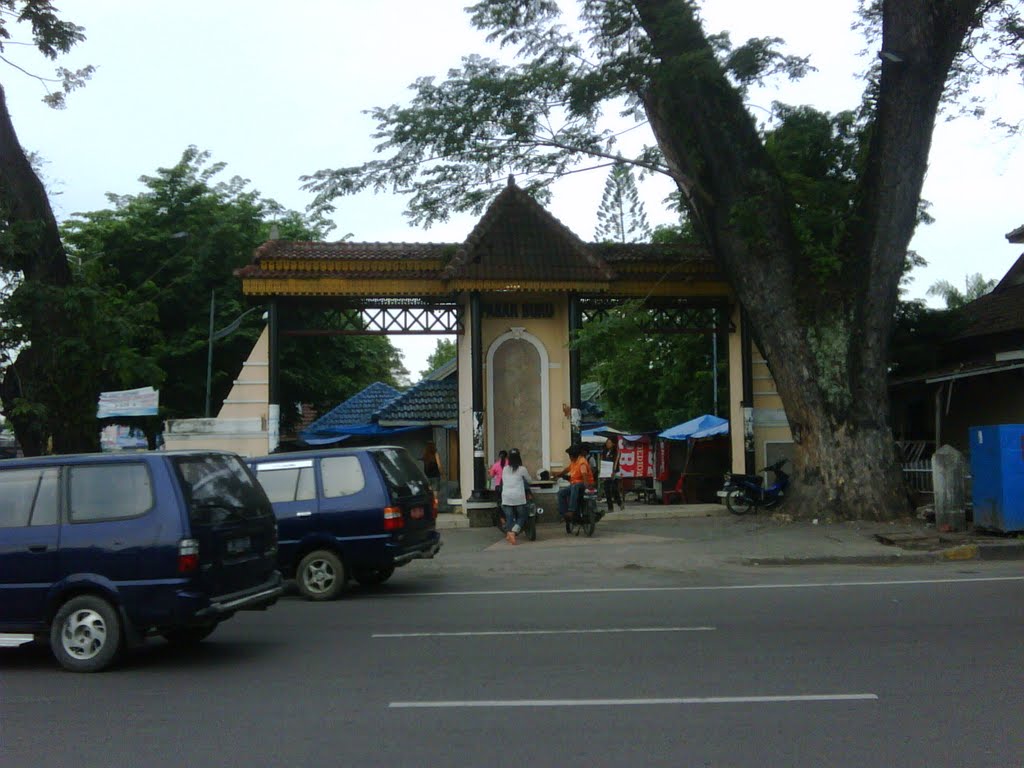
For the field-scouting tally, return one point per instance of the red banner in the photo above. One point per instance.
(635, 458)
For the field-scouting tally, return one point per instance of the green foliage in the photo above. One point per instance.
(155, 257)
(650, 380)
(50, 36)
(444, 351)
(975, 286)
(621, 217)
(453, 146)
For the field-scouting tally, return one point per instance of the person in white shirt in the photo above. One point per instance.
(515, 485)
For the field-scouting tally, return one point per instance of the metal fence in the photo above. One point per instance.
(918, 475)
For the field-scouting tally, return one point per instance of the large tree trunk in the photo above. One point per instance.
(35, 395)
(826, 344)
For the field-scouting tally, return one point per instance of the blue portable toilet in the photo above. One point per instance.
(997, 469)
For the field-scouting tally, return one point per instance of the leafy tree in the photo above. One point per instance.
(649, 380)
(444, 350)
(821, 295)
(975, 286)
(39, 395)
(167, 249)
(621, 217)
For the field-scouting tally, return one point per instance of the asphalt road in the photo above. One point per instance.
(575, 659)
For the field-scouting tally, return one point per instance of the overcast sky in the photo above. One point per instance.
(277, 90)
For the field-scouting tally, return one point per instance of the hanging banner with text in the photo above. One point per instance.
(144, 401)
(635, 458)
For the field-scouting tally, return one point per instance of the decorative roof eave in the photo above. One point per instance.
(322, 266)
(527, 286)
(1017, 235)
(414, 422)
(339, 286)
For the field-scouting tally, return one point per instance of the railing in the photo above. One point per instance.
(918, 475)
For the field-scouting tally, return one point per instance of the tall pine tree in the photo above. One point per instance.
(621, 217)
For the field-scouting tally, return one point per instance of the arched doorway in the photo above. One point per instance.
(517, 395)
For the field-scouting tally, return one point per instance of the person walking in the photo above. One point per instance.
(610, 474)
(432, 468)
(495, 472)
(580, 476)
(515, 493)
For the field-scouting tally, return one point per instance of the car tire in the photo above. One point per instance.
(372, 577)
(184, 637)
(321, 575)
(86, 634)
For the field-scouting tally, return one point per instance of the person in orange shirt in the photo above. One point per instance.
(580, 476)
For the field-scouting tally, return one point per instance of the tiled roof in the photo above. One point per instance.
(515, 242)
(429, 402)
(357, 410)
(1017, 235)
(517, 239)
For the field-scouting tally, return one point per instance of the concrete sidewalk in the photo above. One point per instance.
(763, 539)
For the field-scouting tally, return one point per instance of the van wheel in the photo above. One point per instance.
(321, 576)
(371, 577)
(86, 634)
(183, 637)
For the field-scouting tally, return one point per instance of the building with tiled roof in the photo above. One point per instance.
(980, 378)
(512, 294)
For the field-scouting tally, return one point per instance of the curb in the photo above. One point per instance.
(994, 551)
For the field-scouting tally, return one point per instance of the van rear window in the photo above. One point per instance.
(401, 473)
(220, 488)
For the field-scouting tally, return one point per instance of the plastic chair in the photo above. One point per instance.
(667, 496)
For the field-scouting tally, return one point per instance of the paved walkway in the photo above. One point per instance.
(775, 540)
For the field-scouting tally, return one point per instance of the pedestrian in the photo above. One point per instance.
(610, 474)
(495, 472)
(580, 476)
(432, 468)
(515, 493)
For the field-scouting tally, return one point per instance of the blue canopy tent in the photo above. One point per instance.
(692, 431)
(695, 429)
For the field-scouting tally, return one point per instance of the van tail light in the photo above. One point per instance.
(393, 519)
(433, 505)
(188, 556)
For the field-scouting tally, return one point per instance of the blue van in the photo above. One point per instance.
(354, 513)
(97, 551)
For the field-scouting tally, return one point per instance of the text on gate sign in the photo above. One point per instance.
(524, 310)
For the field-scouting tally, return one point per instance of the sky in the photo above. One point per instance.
(279, 90)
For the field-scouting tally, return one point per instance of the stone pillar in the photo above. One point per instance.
(948, 471)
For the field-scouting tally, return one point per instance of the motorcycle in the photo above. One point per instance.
(586, 517)
(745, 492)
(533, 511)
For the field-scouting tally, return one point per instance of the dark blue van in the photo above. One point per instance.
(97, 551)
(349, 513)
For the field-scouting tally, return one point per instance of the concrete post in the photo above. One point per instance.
(948, 471)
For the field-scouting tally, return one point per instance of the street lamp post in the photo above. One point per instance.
(214, 336)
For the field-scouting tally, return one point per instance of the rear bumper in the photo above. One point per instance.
(254, 599)
(426, 550)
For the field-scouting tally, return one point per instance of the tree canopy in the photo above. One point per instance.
(162, 253)
(814, 249)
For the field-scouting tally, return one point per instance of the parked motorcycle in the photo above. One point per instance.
(745, 492)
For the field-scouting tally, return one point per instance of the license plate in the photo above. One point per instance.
(416, 513)
(238, 545)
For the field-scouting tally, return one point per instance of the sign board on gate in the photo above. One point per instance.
(144, 401)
